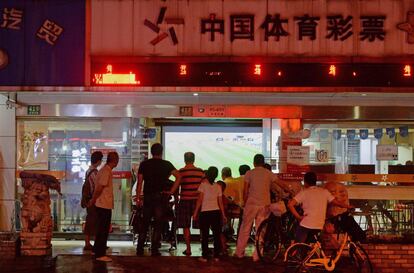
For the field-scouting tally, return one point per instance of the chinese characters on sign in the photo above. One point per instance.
(212, 25)
(297, 159)
(339, 28)
(387, 152)
(216, 111)
(298, 155)
(242, 27)
(206, 111)
(273, 27)
(407, 71)
(257, 69)
(332, 70)
(183, 70)
(50, 32)
(307, 26)
(112, 78)
(13, 18)
(372, 28)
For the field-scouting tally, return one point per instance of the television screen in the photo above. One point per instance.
(212, 146)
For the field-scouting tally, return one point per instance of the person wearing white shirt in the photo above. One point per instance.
(103, 199)
(257, 186)
(314, 201)
(212, 212)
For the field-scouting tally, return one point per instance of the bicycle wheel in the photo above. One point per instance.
(288, 231)
(295, 258)
(268, 241)
(359, 258)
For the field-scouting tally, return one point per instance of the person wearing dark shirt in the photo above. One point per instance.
(153, 175)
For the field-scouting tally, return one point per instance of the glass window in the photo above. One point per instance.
(64, 148)
(350, 144)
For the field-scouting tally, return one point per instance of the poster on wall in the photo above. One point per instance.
(33, 148)
(286, 142)
(297, 159)
(387, 152)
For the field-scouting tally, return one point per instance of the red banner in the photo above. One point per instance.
(121, 174)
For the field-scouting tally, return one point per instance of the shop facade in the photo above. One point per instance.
(328, 75)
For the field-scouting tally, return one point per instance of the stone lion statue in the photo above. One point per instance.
(35, 213)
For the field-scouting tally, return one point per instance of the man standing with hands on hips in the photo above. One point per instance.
(103, 199)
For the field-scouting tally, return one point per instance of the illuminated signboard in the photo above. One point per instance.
(109, 78)
(183, 70)
(332, 70)
(257, 69)
(253, 74)
(407, 71)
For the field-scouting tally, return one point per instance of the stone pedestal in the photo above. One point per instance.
(37, 224)
(36, 244)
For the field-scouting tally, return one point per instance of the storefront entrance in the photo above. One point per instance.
(340, 140)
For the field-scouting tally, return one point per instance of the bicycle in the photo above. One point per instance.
(302, 257)
(168, 233)
(273, 234)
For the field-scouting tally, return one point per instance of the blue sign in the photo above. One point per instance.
(404, 131)
(337, 134)
(363, 133)
(378, 133)
(42, 42)
(390, 132)
(350, 134)
(151, 133)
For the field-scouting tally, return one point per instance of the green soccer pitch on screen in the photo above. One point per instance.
(213, 146)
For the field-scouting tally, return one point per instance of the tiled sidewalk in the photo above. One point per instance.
(68, 257)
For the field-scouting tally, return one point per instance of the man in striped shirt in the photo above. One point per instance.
(190, 181)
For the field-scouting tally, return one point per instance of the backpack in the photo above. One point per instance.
(87, 190)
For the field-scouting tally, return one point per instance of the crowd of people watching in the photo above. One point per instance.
(204, 202)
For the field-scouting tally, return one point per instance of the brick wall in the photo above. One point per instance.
(391, 258)
(9, 245)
